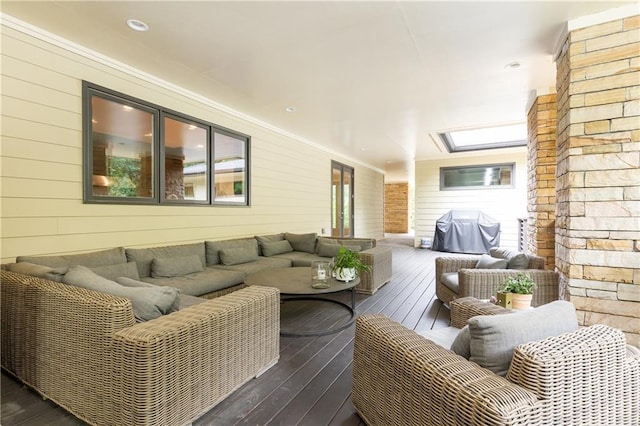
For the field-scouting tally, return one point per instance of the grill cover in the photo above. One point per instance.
(466, 231)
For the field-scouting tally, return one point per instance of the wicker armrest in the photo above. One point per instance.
(204, 351)
(467, 307)
(484, 283)
(583, 377)
(379, 260)
(401, 378)
(453, 264)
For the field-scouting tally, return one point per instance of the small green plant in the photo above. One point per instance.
(520, 284)
(349, 259)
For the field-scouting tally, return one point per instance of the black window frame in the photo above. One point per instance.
(158, 149)
(512, 184)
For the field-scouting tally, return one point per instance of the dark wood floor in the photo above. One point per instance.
(311, 384)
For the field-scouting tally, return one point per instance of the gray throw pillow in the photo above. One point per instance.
(41, 271)
(515, 259)
(494, 337)
(488, 262)
(462, 343)
(272, 248)
(111, 272)
(129, 282)
(237, 256)
(169, 267)
(328, 248)
(147, 303)
(302, 242)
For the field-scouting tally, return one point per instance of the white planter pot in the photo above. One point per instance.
(346, 274)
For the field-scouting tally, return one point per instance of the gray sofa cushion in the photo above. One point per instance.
(111, 272)
(144, 256)
(516, 260)
(147, 303)
(300, 258)
(261, 239)
(169, 267)
(93, 259)
(302, 242)
(494, 337)
(200, 283)
(462, 343)
(271, 248)
(489, 262)
(450, 280)
(330, 249)
(257, 265)
(238, 255)
(213, 248)
(129, 282)
(47, 272)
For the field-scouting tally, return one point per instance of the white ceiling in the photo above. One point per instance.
(375, 81)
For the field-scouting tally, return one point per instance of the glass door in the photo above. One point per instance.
(342, 200)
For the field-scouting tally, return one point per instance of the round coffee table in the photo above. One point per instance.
(295, 284)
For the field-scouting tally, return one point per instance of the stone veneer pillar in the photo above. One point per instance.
(598, 175)
(396, 208)
(541, 164)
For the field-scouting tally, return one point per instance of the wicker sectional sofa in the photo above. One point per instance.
(91, 352)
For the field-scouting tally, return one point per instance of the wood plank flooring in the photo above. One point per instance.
(311, 383)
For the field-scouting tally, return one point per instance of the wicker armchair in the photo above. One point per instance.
(484, 283)
(83, 350)
(578, 378)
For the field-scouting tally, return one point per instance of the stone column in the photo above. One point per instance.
(598, 174)
(541, 186)
(396, 208)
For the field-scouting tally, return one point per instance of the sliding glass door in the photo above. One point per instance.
(341, 200)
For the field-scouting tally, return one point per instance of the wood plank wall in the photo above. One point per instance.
(41, 164)
(504, 205)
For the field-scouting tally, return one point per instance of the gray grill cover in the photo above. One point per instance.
(466, 231)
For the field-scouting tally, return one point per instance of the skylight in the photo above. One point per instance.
(486, 138)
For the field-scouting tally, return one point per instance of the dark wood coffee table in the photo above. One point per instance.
(295, 284)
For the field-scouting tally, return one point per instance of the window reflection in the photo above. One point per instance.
(122, 154)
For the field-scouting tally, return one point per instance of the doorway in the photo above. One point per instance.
(342, 200)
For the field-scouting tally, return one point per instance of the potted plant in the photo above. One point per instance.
(347, 264)
(521, 288)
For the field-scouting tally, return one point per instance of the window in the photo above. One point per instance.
(469, 177)
(486, 138)
(139, 153)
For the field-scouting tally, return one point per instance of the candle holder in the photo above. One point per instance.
(320, 274)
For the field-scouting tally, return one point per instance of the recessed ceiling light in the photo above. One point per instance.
(290, 109)
(512, 65)
(137, 25)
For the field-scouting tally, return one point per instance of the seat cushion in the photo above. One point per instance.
(450, 280)
(201, 283)
(494, 337)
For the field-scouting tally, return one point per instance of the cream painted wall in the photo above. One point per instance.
(41, 166)
(504, 205)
